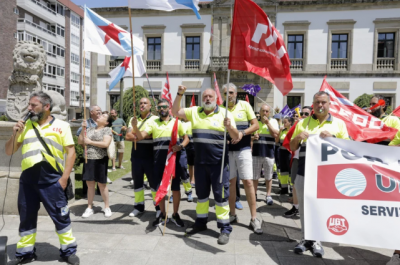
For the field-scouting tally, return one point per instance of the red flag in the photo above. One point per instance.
(257, 47)
(219, 98)
(247, 98)
(361, 125)
(396, 112)
(288, 137)
(169, 169)
(193, 103)
(166, 93)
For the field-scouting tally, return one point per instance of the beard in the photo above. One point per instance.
(164, 114)
(209, 106)
(38, 116)
(376, 112)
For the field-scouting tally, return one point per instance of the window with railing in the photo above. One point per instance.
(339, 53)
(50, 8)
(74, 58)
(75, 77)
(385, 53)
(192, 61)
(54, 88)
(295, 49)
(30, 23)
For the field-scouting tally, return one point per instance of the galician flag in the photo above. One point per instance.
(125, 69)
(166, 5)
(102, 36)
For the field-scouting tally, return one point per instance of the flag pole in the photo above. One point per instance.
(166, 212)
(133, 69)
(148, 81)
(226, 115)
(84, 99)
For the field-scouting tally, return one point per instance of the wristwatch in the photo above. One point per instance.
(244, 133)
(181, 146)
(179, 94)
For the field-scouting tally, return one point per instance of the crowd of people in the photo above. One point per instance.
(254, 149)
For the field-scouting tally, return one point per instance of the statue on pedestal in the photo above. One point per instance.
(29, 62)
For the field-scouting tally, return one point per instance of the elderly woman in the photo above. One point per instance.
(97, 141)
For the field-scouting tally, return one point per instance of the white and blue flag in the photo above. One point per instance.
(125, 70)
(102, 36)
(166, 5)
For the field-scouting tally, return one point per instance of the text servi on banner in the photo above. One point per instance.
(351, 188)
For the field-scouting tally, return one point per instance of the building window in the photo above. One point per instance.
(60, 51)
(386, 45)
(293, 101)
(75, 40)
(16, 10)
(51, 70)
(242, 96)
(153, 48)
(54, 88)
(74, 58)
(114, 98)
(87, 80)
(60, 31)
(192, 48)
(339, 46)
(75, 20)
(75, 77)
(60, 9)
(87, 63)
(295, 46)
(188, 100)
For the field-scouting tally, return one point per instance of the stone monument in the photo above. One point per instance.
(26, 78)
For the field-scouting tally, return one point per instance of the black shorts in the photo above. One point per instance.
(190, 157)
(96, 170)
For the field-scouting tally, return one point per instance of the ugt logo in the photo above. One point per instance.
(337, 225)
(261, 30)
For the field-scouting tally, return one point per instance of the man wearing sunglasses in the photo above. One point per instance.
(208, 126)
(240, 156)
(305, 112)
(161, 131)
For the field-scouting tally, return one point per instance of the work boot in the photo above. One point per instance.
(23, 260)
(194, 229)
(223, 239)
(72, 259)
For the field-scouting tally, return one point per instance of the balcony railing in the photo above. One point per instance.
(114, 64)
(37, 26)
(339, 64)
(44, 7)
(153, 65)
(296, 64)
(385, 63)
(192, 64)
(219, 62)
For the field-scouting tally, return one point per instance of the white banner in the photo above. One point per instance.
(352, 193)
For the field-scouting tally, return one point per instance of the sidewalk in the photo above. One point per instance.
(125, 240)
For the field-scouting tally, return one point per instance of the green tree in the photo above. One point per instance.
(79, 153)
(363, 100)
(127, 103)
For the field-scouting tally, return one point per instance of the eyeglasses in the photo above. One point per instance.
(162, 107)
(296, 116)
(230, 93)
(305, 114)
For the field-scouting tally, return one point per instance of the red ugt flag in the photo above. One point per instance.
(396, 112)
(166, 93)
(193, 103)
(361, 125)
(219, 98)
(169, 169)
(247, 98)
(257, 47)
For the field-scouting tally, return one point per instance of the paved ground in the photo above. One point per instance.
(125, 240)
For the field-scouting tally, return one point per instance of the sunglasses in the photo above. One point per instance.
(162, 107)
(230, 93)
(305, 114)
(296, 116)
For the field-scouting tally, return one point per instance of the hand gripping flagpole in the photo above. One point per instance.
(133, 70)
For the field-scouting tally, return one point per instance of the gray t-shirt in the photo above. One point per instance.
(116, 127)
(95, 152)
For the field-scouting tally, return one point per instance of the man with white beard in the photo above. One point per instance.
(208, 126)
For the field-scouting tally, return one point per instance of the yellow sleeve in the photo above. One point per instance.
(130, 123)
(297, 130)
(396, 140)
(189, 112)
(343, 133)
(233, 123)
(181, 129)
(149, 127)
(250, 112)
(67, 137)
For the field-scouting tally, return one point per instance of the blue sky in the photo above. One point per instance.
(101, 3)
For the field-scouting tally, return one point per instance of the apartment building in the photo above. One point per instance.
(58, 26)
